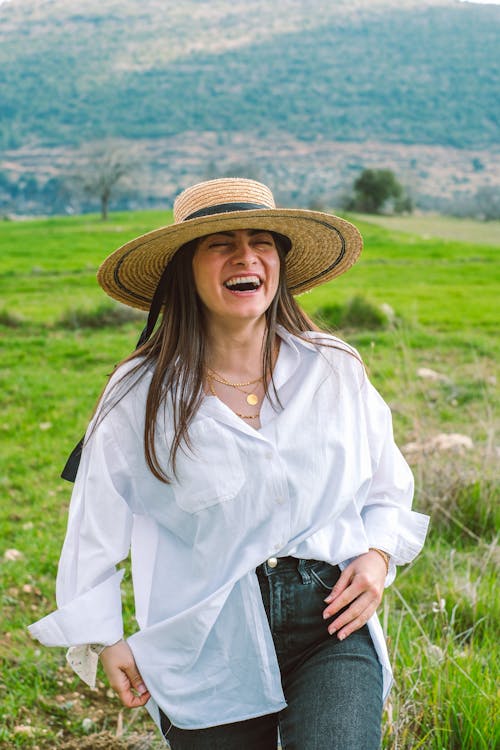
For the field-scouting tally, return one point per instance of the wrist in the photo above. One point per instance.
(384, 555)
(98, 648)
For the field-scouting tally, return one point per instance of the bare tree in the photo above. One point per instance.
(488, 202)
(102, 170)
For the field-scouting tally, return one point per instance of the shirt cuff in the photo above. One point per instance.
(94, 616)
(399, 532)
(83, 660)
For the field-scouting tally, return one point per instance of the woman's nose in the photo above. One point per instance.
(244, 253)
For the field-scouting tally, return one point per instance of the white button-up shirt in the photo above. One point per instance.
(322, 478)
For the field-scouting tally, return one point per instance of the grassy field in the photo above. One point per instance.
(446, 227)
(441, 615)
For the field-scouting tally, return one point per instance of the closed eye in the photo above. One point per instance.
(266, 241)
(221, 245)
(262, 236)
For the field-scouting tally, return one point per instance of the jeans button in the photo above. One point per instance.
(272, 562)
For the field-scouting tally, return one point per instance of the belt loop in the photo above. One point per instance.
(303, 572)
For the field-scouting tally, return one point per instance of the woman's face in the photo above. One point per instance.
(236, 273)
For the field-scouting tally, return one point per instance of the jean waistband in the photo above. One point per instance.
(274, 565)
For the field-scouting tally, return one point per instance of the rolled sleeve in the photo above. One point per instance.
(97, 539)
(389, 522)
(92, 617)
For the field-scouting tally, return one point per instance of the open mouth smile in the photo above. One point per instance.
(243, 283)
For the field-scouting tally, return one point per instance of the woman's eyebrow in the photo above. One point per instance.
(231, 234)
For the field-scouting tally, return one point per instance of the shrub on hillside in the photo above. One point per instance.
(357, 313)
(10, 320)
(100, 317)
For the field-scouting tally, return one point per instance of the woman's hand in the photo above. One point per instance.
(359, 588)
(120, 667)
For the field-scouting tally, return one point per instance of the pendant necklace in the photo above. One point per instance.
(251, 398)
(210, 380)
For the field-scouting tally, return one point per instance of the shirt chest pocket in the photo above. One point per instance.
(209, 473)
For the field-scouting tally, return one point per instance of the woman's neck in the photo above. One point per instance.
(235, 350)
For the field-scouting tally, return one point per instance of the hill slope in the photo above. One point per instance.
(415, 74)
(408, 73)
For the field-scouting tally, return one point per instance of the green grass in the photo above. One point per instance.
(49, 265)
(60, 339)
(447, 227)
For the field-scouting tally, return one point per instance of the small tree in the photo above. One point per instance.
(488, 202)
(376, 189)
(102, 168)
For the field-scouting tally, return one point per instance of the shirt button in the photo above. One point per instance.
(272, 562)
(280, 500)
(269, 455)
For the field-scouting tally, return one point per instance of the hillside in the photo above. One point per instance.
(404, 74)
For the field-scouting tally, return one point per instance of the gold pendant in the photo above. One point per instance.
(252, 399)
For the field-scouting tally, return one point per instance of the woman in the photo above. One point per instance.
(247, 461)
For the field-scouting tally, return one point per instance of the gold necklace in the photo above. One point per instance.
(251, 398)
(212, 391)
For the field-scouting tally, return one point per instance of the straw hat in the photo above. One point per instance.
(322, 245)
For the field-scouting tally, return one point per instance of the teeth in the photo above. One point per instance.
(246, 280)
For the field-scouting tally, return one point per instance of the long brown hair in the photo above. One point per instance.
(176, 352)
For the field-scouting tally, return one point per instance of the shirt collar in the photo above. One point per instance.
(290, 356)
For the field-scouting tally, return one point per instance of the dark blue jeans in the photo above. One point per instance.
(333, 688)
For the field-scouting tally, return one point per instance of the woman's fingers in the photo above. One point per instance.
(358, 592)
(127, 693)
(341, 585)
(124, 677)
(359, 585)
(354, 616)
(137, 689)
